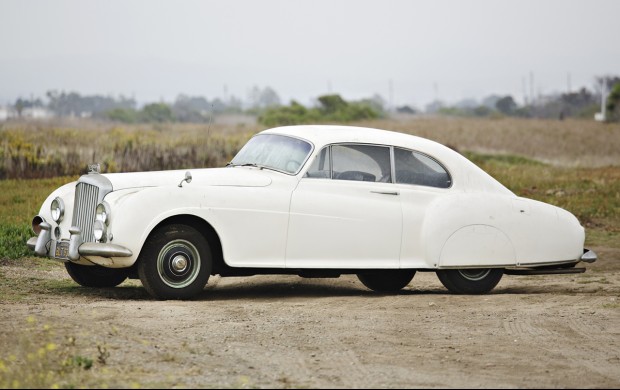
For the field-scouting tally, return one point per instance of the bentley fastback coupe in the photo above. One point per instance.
(314, 201)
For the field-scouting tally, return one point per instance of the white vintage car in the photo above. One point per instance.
(316, 201)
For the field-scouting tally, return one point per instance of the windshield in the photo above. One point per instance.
(278, 152)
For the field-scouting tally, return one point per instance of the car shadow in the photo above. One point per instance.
(302, 288)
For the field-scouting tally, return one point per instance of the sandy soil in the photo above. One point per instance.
(285, 331)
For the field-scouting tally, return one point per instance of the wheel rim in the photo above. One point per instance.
(474, 274)
(178, 263)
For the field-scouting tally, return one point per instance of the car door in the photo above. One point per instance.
(345, 211)
(420, 180)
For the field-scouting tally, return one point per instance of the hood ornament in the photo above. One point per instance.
(94, 168)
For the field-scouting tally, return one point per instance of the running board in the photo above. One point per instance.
(534, 271)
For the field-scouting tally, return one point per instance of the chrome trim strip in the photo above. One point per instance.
(548, 263)
(514, 266)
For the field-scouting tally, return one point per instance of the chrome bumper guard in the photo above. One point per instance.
(42, 245)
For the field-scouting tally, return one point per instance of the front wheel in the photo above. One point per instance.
(96, 275)
(386, 281)
(175, 262)
(470, 281)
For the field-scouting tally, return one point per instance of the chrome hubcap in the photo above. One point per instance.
(474, 274)
(178, 263)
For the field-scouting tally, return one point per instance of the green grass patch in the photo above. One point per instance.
(500, 159)
(20, 201)
(13, 241)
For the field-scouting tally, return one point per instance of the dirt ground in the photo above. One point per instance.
(560, 331)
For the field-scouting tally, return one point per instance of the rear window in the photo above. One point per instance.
(419, 169)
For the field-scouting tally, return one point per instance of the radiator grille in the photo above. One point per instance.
(84, 208)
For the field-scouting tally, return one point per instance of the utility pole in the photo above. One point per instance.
(601, 116)
(532, 87)
(391, 95)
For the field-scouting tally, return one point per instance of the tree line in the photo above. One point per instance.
(582, 103)
(265, 104)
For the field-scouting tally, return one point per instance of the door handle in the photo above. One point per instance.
(385, 192)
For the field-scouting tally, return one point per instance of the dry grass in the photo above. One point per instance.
(571, 143)
(49, 149)
(63, 148)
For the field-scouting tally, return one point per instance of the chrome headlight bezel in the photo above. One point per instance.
(102, 213)
(57, 209)
(36, 224)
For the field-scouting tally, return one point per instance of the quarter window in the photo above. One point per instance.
(417, 168)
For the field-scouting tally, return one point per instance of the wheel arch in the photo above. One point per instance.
(204, 227)
(478, 245)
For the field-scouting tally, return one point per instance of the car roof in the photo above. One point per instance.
(329, 134)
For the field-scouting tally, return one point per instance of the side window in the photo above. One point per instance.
(417, 168)
(361, 163)
(320, 167)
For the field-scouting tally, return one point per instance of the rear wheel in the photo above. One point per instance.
(95, 276)
(470, 281)
(386, 280)
(175, 262)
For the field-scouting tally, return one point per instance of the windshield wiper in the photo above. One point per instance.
(230, 164)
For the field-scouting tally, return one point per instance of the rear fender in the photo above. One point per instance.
(477, 245)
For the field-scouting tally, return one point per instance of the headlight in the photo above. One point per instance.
(103, 213)
(99, 231)
(58, 210)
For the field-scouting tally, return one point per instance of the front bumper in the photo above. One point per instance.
(43, 245)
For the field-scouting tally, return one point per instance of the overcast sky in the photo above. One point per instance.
(449, 50)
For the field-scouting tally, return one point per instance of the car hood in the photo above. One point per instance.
(237, 177)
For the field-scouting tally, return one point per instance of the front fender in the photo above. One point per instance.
(136, 212)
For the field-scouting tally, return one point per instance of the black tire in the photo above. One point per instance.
(470, 281)
(96, 276)
(386, 281)
(175, 262)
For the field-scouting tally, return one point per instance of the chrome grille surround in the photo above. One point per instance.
(85, 205)
(89, 191)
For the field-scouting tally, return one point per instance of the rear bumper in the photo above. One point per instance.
(589, 256)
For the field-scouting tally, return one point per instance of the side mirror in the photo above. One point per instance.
(188, 178)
